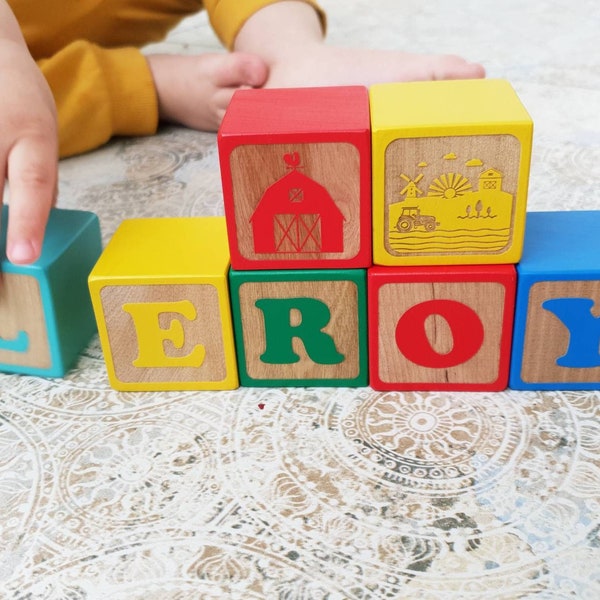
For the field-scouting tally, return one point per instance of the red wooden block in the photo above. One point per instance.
(440, 328)
(296, 173)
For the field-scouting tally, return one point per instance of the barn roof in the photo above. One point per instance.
(312, 197)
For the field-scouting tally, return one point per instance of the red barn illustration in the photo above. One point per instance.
(297, 215)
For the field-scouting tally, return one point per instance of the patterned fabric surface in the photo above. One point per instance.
(316, 493)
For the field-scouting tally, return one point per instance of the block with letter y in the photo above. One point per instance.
(300, 328)
(160, 295)
(556, 342)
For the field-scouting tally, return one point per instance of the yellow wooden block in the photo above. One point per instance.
(450, 172)
(161, 299)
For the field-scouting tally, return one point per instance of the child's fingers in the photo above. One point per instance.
(32, 179)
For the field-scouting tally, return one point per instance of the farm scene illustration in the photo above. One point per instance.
(465, 208)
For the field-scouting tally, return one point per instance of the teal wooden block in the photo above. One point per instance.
(46, 315)
(300, 328)
(556, 341)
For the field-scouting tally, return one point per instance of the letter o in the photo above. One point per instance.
(465, 325)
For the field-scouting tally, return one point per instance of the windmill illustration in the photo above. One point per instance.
(411, 190)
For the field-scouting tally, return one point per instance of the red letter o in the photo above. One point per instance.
(465, 325)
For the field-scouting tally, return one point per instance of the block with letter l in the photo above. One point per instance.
(160, 295)
(556, 343)
(440, 328)
(46, 316)
(300, 328)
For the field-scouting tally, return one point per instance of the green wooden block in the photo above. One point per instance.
(46, 315)
(300, 328)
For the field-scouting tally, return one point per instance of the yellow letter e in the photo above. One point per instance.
(151, 336)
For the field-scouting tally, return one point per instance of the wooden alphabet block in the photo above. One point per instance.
(160, 295)
(556, 344)
(440, 328)
(296, 172)
(300, 328)
(450, 172)
(46, 316)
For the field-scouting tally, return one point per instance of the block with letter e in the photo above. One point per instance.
(160, 295)
(556, 343)
(440, 328)
(296, 175)
(46, 316)
(300, 328)
(450, 172)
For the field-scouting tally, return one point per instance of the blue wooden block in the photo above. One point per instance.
(46, 315)
(556, 342)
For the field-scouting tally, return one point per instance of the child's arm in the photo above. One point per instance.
(281, 31)
(278, 44)
(28, 142)
(288, 35)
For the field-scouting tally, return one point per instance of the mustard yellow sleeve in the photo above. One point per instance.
(100, 93)
(228, 16)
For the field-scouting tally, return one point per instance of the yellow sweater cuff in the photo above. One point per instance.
(228, 16)
(134, 105)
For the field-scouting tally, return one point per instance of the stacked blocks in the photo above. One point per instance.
(425, 212)
(450, 178)
(160, 295)
(444, 288)
(296, 170)
(46, 317)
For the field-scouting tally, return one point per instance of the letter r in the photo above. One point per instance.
(279, 331)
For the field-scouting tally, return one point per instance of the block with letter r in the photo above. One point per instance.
(556, 341)
(300, 328)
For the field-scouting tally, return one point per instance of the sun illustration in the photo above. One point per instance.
(449, 185)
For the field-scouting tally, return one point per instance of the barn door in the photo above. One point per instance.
(297, 233)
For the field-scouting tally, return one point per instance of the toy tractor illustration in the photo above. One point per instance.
(410, 218)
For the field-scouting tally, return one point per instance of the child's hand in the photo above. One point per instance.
(195, 90)
(28, 146)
